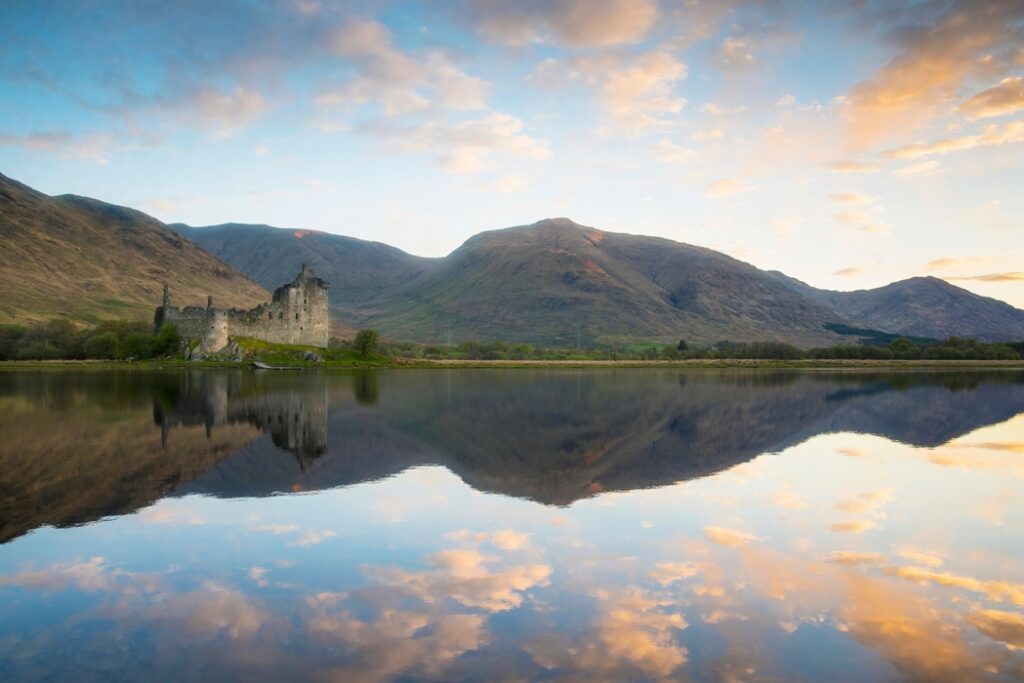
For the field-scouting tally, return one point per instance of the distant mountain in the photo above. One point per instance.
(551, 283)
(556, 281)
(80, 258)
(920, 306)
(357, 270)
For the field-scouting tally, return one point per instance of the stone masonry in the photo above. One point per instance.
(297, 314)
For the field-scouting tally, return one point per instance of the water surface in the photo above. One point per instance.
(518, 525)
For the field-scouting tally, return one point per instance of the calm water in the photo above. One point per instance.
(626, 525)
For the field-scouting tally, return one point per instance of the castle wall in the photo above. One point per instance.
(297, 314)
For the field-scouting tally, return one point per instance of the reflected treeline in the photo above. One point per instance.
(81, 445)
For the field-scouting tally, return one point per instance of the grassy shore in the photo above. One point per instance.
(418, 363)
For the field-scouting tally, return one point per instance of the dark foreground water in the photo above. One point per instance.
(627, 525)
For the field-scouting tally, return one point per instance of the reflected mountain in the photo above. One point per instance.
(82, 445)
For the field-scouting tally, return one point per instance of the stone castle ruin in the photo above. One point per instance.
(297, 314)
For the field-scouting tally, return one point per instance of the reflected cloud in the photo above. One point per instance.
(729, 537)
(632, 631)
(998, 591)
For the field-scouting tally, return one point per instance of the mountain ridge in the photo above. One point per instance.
(87, 260)
(553, 282)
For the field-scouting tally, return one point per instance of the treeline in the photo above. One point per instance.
(901, 348)
(110, 340)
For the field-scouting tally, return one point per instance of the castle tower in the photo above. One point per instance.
(167, 296)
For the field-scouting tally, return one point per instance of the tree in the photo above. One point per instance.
(101, 346)
(682, 345)
(366, 342)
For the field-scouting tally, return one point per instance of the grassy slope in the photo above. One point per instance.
(86, 260)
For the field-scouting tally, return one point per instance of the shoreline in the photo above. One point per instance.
(419, 363)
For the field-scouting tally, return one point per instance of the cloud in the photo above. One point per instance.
(849, 271)
(993, 135)
(637, 92)
(855, 527)
(729, 537)
(667, 573)
(669, 152)
(93, 147)
(1005, 98)
(276, 529)
(851, 557)
(716, 109)
(574, 23)
(735, 54)
(850, 198)
(1015, 276)
(949, 262)
(726, 187)
(922, 557)
(507, 539)
(463, 147)
(1006, 627)
(922, 168)
(869, 221)
(632, 629)
(709, 134)
(787, 226)
(935, 58)
(787, 499)
(997, 591)
(396, 81)
(312, 537)
(226, 111)
(865, 502)
(853, 166)
(467, 577)
(398, 642)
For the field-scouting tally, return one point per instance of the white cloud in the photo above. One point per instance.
(637, 92)
(669, 152)
(726, 187)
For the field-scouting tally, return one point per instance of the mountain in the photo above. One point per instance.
(552, 283)
(80, 258)
(555, 281)
(920, 306)
(357, 270)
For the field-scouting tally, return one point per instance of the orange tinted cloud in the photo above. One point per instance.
(1005, 98)
(993, 135)
(934, 61)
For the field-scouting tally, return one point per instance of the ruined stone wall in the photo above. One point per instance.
(191, 322)
(297, 314)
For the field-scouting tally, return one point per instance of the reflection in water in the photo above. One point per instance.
(638, 534)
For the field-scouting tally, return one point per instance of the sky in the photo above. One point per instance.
(848, 144)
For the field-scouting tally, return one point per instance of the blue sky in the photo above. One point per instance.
(846, 144)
